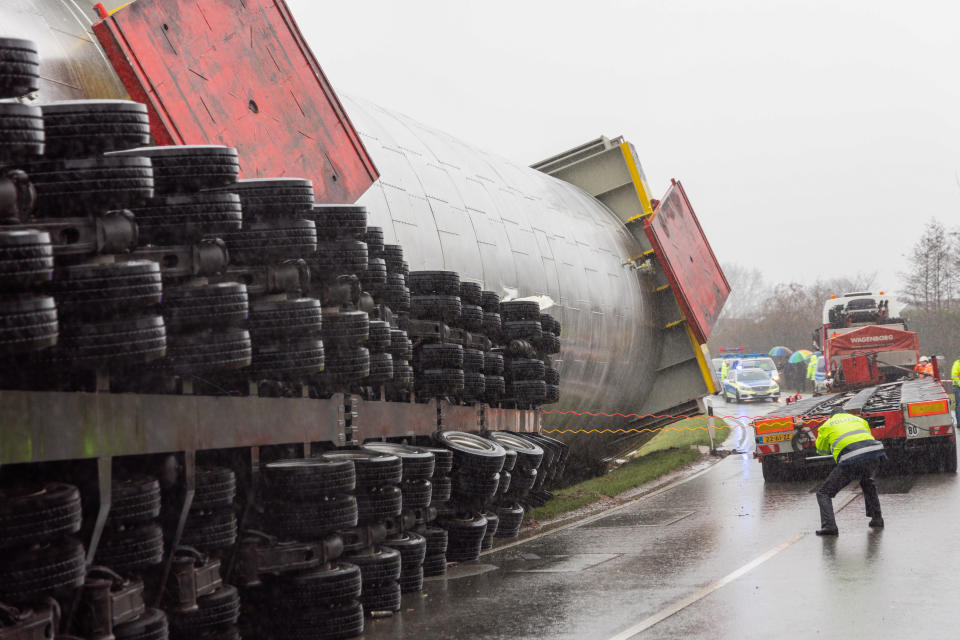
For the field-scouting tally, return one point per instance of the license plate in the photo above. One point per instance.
(778, 437)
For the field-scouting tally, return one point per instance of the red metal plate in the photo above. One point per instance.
(238, 72)
(688, 261)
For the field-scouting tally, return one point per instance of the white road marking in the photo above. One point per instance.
(685, 602)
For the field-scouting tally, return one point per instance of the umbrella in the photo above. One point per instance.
(779, 352)
(799, 356)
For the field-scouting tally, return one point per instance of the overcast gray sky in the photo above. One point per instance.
(814, 137)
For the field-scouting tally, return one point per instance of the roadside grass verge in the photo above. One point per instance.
(633, 473)
(666, 452)
(685, 439)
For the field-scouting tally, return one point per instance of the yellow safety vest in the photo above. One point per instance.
(955, 372)
(840, 434)
(812, 368)
(725, 371)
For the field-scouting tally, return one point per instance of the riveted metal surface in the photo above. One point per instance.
(520, 233)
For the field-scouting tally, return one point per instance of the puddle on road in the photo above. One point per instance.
(557, 564)
(463, 571)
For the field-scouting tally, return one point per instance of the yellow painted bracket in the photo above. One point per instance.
(639, 180)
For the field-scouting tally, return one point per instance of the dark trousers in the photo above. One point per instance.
(956, 403)
(841, 476)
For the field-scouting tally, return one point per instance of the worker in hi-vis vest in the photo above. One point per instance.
(848, 439)
(812, 371)
(955, 376)
(724, 371)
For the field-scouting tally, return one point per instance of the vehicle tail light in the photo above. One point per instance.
(918, 409)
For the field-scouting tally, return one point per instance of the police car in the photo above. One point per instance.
(750, 384)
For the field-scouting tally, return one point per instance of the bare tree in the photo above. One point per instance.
(747, 291)
(930, 281)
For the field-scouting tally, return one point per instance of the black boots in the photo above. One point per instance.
(876, 522)
(828, 531)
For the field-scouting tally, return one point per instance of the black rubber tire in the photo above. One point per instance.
(401, 347)
(265, 242)
(510, 520)
(208, 531)
(402, 375)
(21, 129)
(473, 360)
(441, 489)
(493, 521)
(374, 239)
(381, 597)
(492, 326)
(514, 310)
(465, 536)
(490, 302)
(506, 481)
(418, 464)
(347, 365)
(273, 198)
(436, 541)
(151, 625)
(494, 388)
(510, 461)
(375, 275)
(551, 375)
(467, 486)
(522, 481)
(208, 350)
(19, 67)
(325, 585)
(522, 330)
(38, 513)
(346, 327)
(131, 548)
(372, 469)
(134, 499)
(435, 565)
(308, 478)
(532, 391)
(377, 566)
(189, 168)
(471, 453)
(443, 460)
(470, 293)
(417, 494)
(215, 487)
(84, 128)
(412, 548)
(221, 607)
(376, 504)
(474, 385)
(224, 304)
(435, 307)
(113, 342)
(334, 623)
(529, 454)
(493, 363)
(185, 219)
(548, 343)
(102, 290)
(552, 394)
(89, 185)
(44, 568)
(339, 220)
(439, 382)
(411, 581)
(290, 359)
(26, 259)
(343, 256)
(303, 520)
(471, 317)
(393, 256)
(379, 336)
(439, 356)
(296, 318)
(434, 283)
(547, 322)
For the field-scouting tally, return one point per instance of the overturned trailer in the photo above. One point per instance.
(632, 282)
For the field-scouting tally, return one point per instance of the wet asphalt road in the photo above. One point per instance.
(720, 555)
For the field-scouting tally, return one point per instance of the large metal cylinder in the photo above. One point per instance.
(513, 229)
